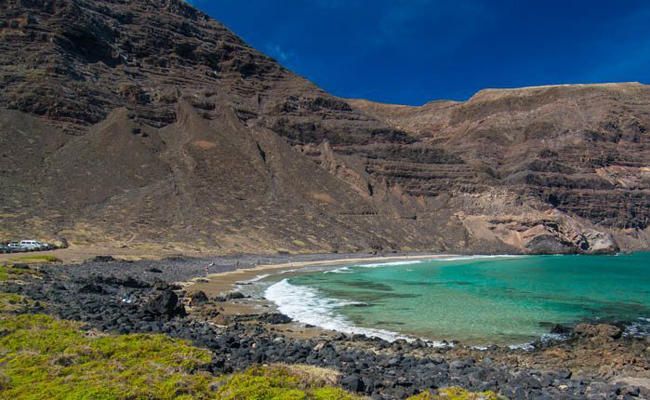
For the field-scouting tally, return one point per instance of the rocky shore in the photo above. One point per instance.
(596, 362)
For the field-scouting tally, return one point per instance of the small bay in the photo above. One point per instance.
(473, 299)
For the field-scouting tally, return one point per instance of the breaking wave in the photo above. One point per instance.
(307, 305)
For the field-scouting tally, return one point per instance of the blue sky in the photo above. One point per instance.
(414, 51)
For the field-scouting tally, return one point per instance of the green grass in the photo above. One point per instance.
(456, 393)
(9, 272)
(279, 382)
(11, 302)
(35, 259)
(43, 357)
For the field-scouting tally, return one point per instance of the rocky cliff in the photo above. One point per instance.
(148, 123)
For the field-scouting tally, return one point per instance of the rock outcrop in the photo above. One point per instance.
(148, 123)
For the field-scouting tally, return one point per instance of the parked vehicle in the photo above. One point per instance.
(25, 245)
(31, 245)
(15, 247)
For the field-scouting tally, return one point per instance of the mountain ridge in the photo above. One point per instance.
(149, 123)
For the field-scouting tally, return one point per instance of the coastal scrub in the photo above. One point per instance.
(43, 357)
(456, 393)
(11, 272)
(280, 382)
(36, 259)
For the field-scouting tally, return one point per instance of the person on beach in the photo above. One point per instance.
(207, 268)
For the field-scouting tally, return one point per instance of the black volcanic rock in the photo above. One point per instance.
(198, 298)
(370, 366)
(274, 318)
(165, 303)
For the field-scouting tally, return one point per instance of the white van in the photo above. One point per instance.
(31, 244)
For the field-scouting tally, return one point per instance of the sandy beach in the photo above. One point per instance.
(219, 284)
(223, 282)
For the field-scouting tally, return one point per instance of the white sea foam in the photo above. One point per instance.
(522, 346)
(346, 269)
(257, 278)
(476, 257)
(388, 264)
(553, 337)
(342, 270)
(307, 305)
(638, 328)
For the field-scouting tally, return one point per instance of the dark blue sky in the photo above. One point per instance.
(414, 51)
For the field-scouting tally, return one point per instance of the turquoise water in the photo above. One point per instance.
(476, 300)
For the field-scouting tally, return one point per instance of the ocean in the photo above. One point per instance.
(477, 300)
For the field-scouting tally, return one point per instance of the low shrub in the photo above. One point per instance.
(35, 259)
(10, 272)
(279, 382)
(46, 358)
(456, 393)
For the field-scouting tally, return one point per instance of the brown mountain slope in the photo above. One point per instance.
(581, 149)
(146, 122)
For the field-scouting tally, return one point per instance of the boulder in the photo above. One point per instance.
(274, 318)
(198, 298)
(353, 383)
(600, 242)
(604, 331)
(92, 288)
(129, 282)
(60, 243)
(164, 303)
(104, 259)
(560, 329)
(235, 296)
(549, 243)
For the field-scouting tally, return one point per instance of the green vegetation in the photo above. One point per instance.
(456, 393)
(9, 272)
(280, 382)
(11, 302)
(43, 357)
(35, 259)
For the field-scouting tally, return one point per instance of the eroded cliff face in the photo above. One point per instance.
(146, 122)
(557, 167)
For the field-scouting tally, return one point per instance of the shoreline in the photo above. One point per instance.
(222, 283)
(227, 279)
(123, 297)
